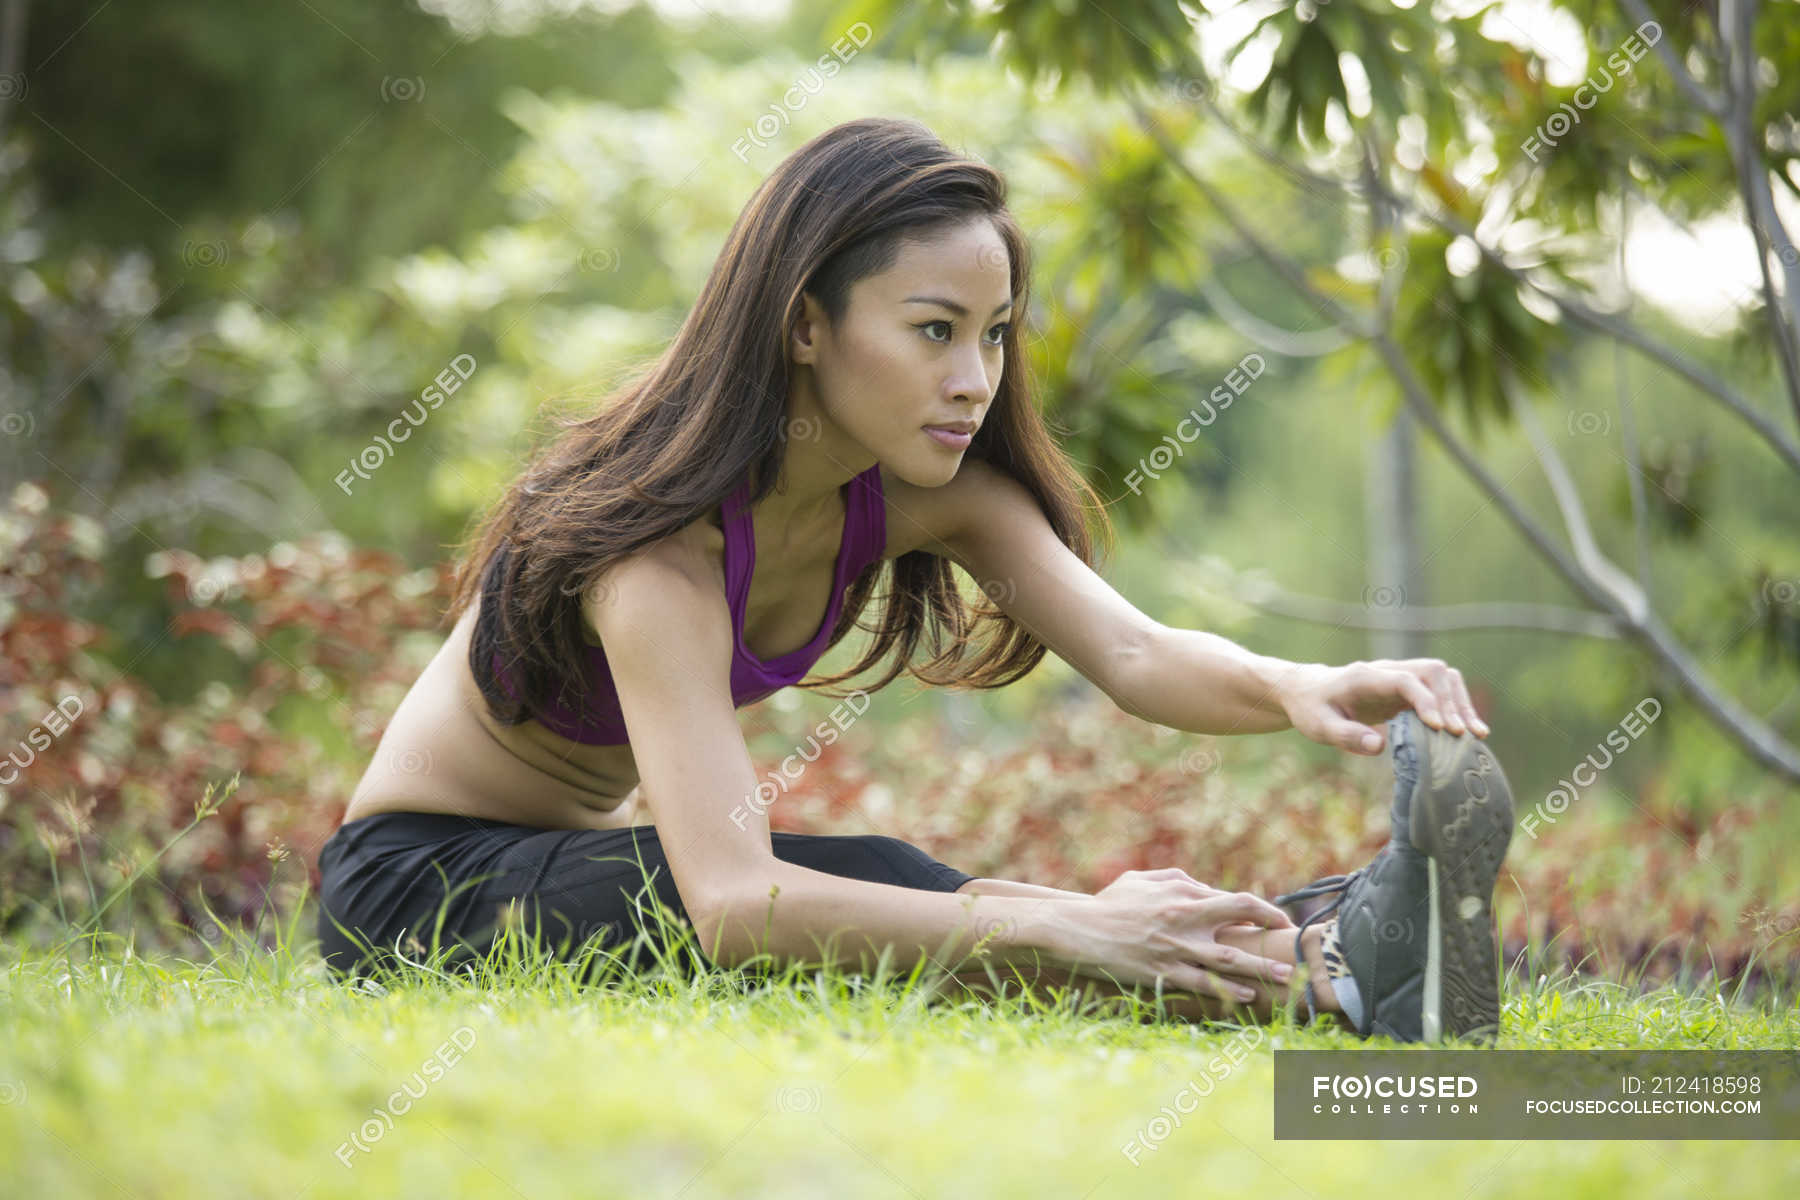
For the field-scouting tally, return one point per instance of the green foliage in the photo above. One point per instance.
(1306, 77)
(1118, 43)
(376, 126)
(1467, 334)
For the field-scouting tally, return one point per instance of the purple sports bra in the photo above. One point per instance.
(602, 723)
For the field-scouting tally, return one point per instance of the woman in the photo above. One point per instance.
(837, 413)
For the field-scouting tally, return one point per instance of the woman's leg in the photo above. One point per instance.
(416, 883)
(390, 880)
(426, 881)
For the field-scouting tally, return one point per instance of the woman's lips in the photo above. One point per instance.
(946, 437)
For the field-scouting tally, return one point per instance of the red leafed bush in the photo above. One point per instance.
(309, 661)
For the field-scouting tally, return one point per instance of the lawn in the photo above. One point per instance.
(255, 1074)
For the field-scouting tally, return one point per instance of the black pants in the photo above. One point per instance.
(388, 880)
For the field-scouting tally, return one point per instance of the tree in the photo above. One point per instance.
(1487, 197)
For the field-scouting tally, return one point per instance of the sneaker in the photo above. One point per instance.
(1410, 948)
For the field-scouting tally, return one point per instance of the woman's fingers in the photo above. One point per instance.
(1237, 965)
(1449, 706)
(1468, 705)
(1246, 907)
(1175, 874)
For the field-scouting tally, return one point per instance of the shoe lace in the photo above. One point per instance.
(1331, 883)
(1339, 884)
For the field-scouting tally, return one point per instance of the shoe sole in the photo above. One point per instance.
(1462, 819)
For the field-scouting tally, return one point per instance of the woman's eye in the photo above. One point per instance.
(949, 328)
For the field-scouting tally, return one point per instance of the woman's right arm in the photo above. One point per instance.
(666, 627)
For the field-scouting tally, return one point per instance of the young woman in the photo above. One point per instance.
(847, 409)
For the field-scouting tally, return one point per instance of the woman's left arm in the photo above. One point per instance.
(1183, 678)
(1204, 683)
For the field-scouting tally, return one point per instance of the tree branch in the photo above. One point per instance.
(1306, 343)
(1645, 627)
(1754, 735)
(1655, 349)
(1601, 569)
(1710, 102)
(1442, 618)
(1736, 19)
(1287, 268)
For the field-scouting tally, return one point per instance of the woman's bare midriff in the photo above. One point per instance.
(443, 752)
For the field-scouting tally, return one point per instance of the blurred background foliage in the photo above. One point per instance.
(235, 244)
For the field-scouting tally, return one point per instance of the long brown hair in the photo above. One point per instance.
(671, 443)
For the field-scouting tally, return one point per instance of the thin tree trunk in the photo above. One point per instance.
(1396, 581)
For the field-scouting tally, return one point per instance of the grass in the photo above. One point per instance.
(255, 1073)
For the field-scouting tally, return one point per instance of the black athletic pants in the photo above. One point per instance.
(381, 883)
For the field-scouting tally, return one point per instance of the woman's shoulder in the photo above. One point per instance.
(688, 563)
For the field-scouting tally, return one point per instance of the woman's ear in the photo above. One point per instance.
(803, 346)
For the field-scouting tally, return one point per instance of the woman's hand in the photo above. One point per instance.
(1339, 706)
(1151, 927)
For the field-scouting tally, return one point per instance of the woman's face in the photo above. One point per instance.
(918, 346)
